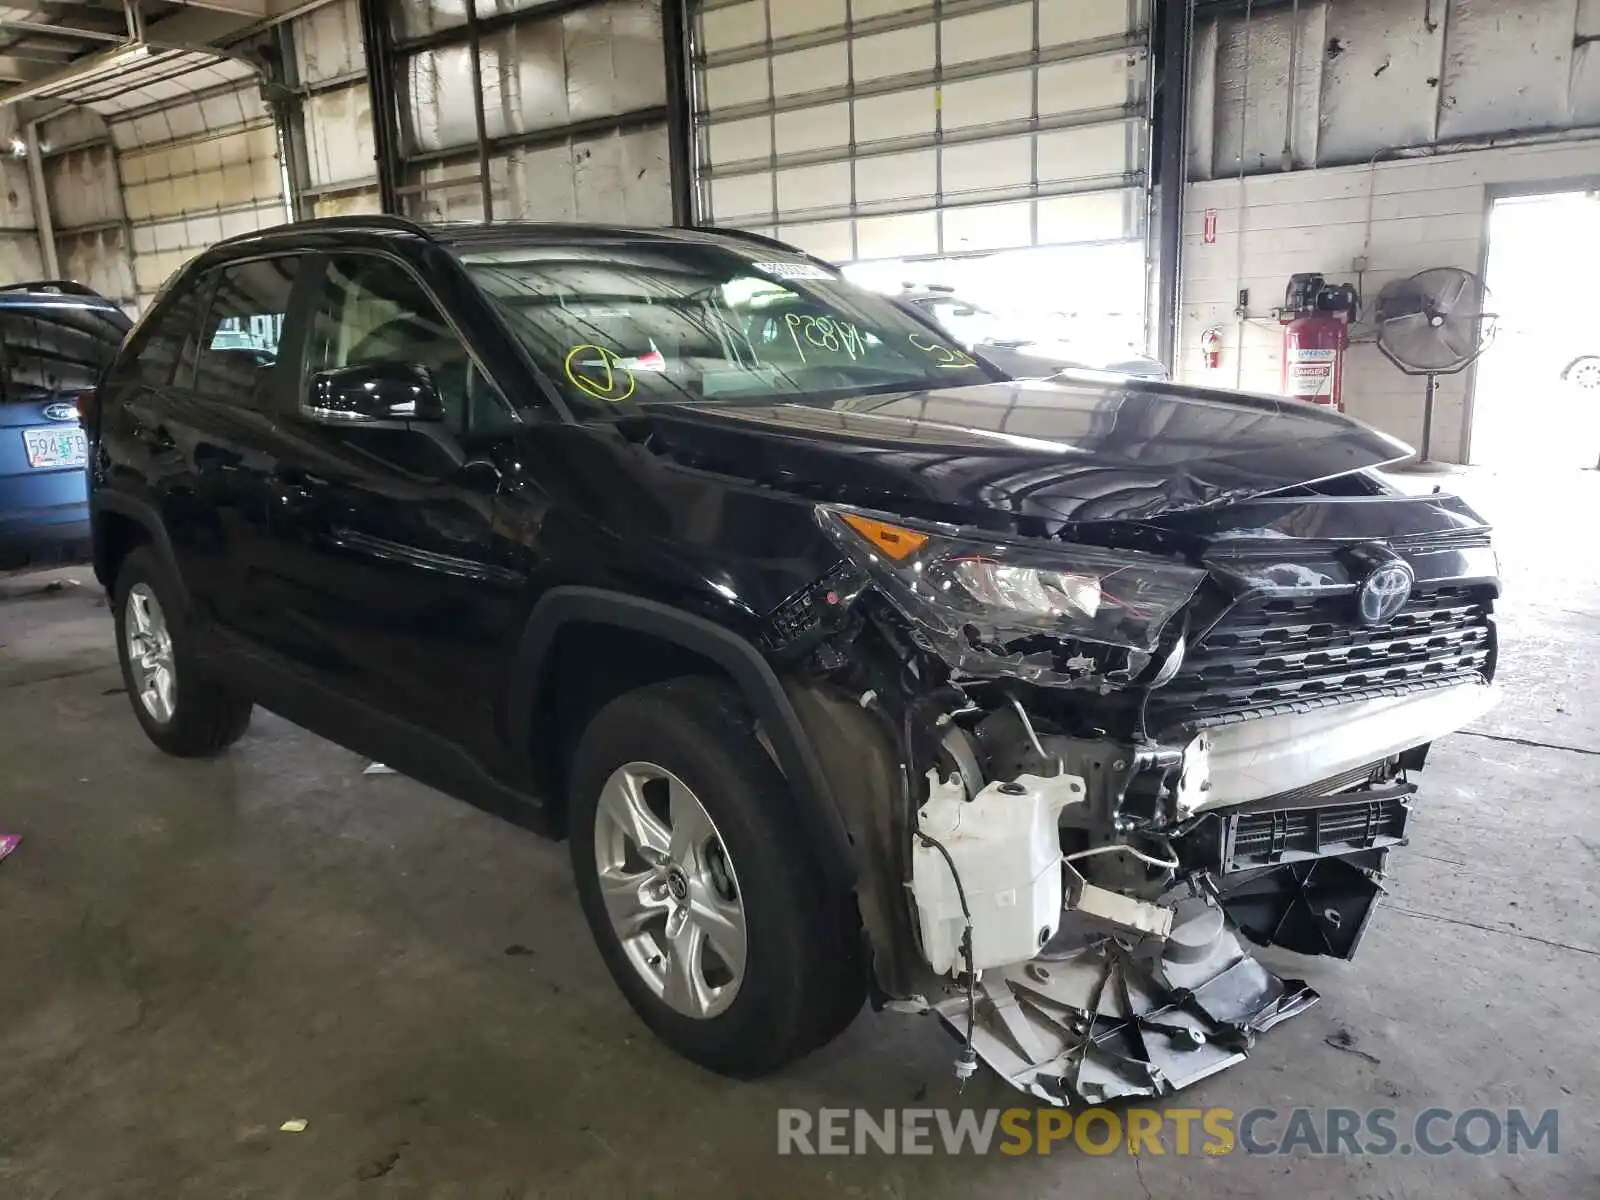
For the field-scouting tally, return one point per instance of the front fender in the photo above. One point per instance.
(750, 672)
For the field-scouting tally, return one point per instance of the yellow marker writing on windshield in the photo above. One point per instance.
(947, 357)
(612, 381)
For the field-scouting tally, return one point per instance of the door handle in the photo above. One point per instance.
(294, 490)
(155, 438)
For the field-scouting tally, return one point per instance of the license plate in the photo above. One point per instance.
(56, 447)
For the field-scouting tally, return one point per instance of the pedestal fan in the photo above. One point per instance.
(1431, 324)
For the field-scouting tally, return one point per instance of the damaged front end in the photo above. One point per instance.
(1081, 777)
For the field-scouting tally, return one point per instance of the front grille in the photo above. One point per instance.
(1260, 839)
(1280, 655)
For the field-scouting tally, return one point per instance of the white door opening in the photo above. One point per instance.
(1536, 401)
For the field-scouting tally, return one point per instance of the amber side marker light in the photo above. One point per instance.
(896, 542)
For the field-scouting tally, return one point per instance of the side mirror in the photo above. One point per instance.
(364, 392)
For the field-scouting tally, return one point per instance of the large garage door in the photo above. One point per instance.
(198, 165)
(160, 158)
(903, 129)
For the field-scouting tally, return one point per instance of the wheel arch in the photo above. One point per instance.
(558, 624)
(118, 524)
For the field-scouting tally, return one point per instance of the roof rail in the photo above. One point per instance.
(354, 221)
(65, 287)
(747, 236)
(375, 220)
(762, 239)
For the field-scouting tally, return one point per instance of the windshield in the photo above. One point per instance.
(968, 323)
(641, 322)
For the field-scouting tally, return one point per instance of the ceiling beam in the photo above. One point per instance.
(67, 32)
(15, 70)
(243, 8)
(56, 58)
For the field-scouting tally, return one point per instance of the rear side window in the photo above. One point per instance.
(55, 346)
(169, 337)
(240, 336)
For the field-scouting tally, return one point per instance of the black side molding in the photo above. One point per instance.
(749, 671)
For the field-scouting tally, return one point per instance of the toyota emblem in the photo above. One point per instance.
(1384, 593)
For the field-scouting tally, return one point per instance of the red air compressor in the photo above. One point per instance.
(1316, 318)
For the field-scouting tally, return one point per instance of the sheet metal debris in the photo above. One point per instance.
(1115, 1019)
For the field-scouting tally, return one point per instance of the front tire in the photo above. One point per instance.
(694, 875)
(180, 709)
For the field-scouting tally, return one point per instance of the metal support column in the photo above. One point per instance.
(675, 16)
(287, 102)
(41, 203)
(474, 45)
(378, 42)
(1172, 133)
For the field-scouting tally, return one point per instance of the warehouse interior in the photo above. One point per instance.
(202, 954)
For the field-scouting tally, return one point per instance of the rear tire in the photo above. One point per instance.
(802, 977)
(181, 709)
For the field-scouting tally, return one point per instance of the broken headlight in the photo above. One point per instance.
(963, 584)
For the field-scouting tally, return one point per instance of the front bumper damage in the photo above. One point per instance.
(1106, 1022)
(1141, 981)
(1067, 843)
(1123, 996)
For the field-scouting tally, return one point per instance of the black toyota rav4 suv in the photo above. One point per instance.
(848, 666)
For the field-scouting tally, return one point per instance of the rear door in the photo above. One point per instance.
(196, 426)
(51, 349)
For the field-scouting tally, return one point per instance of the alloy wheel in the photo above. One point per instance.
(670, 890)
(155, 680)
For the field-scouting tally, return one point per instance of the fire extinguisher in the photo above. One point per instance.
(1316, 318)
(1211, 347)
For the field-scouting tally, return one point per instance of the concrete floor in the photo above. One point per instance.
(194, 953)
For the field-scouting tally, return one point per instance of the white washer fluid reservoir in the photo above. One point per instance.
(1007, 850)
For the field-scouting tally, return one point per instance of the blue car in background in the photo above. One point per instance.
(55, 339)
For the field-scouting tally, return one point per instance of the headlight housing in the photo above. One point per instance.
(984, 593)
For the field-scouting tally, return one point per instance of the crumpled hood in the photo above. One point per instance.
(1076, 448)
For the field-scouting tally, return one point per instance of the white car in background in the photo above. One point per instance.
(1013, 350)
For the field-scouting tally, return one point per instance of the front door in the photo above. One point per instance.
(402, 590)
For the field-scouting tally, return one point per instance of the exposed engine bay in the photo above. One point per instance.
(1082, 779)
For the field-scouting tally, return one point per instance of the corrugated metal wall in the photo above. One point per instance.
(86, 210)
(1374, 75)
(332, 65)
(865, 129)
(19, 239)
(573, 110)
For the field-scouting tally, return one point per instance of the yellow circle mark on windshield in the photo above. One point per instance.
(605, 376)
